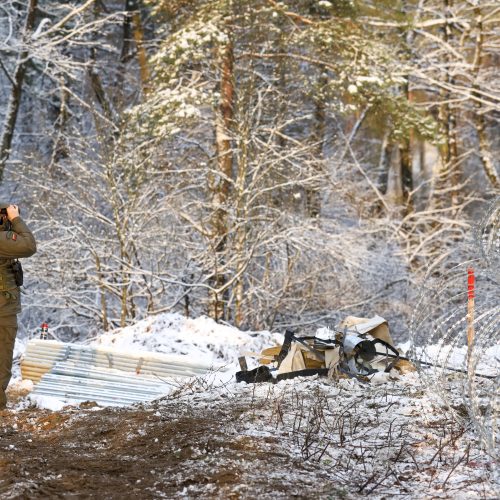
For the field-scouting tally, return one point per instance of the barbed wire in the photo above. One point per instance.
(448, 330)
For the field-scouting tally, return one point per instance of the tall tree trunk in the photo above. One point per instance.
(450, 173)
(220, 182)
(102, 292)
(60, 146)
(100, 93)
(406, 148)
(418, 174)
(479, 118)
(394, 194)
(283, 73)
(127, 30)
(16, 91)
(313, 196)
(241, 230)
(132, 8)
(383, 161)
(409, 145)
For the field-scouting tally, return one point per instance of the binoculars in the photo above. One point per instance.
(3, 211)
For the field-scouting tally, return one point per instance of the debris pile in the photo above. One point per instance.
(358, 347)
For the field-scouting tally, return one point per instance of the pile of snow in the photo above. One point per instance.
(200, 339)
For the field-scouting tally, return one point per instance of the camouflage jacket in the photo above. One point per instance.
(16, 243)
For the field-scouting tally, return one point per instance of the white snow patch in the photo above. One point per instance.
(200, 339)
(48, 402)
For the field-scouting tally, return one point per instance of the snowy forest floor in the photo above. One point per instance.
(302, 438)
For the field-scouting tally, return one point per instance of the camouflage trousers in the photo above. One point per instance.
(8, 331)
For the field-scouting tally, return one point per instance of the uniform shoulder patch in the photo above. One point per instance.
(11, 235)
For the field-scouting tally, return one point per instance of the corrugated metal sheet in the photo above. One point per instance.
(72, 372)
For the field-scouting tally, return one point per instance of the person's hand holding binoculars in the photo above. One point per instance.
(12, 211)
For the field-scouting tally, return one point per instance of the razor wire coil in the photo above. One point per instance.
(439, 332)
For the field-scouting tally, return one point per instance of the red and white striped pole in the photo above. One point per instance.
(470, 308)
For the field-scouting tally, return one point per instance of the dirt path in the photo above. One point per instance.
(162, 451)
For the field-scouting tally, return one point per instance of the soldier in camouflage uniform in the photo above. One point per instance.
(16, 241)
